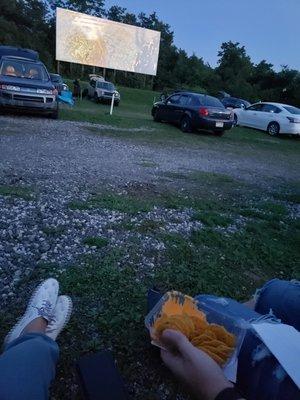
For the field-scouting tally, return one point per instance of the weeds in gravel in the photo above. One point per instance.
(212, 218)
(112, 201)
(149, 226)
(95, 241)
(54, 230)
(109, 294)
(16, 191)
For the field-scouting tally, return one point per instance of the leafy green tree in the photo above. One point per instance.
(235, 69)
(116, 13)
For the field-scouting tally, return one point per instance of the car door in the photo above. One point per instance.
(169, 107)
(269, 113)
(252, 115)
(182, 105)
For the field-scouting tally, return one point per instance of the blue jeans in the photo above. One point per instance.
(260, 377)
(27, 367)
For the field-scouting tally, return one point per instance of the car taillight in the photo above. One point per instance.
(203, 112)
(231, 115)
(294, 120)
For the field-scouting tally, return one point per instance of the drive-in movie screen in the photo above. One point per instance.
(89, 40)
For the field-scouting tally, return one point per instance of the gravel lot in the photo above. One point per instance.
(63, 161)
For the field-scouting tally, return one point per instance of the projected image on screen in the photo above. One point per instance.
(88, 40)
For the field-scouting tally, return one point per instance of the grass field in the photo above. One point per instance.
(247, 235)
(134, 113)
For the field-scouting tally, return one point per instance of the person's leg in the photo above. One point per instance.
(259, 374)
(27, 367)
(227, 307)
(283, 298)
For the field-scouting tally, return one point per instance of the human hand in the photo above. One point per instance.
(200, 373)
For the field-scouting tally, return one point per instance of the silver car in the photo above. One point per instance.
(102, 91)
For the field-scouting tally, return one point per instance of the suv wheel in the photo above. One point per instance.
(96, 98)
(54, 115)
(273, 129)
(235, 120)
(186, 124)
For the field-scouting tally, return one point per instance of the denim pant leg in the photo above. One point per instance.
(283, 298)
(260, 377)
(27, 367)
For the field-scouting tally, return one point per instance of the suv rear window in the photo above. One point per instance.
(210, 101)
(24, 69)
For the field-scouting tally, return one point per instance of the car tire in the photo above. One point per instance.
(96, 98)
(54, 115)
(235, 120)
(273, 129)
(186, 124)
(155, 116)
(116, 103)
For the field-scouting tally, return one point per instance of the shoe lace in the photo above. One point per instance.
(45, 310)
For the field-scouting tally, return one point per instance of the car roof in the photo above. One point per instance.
(190, 93)
(273, 104)
(15, 58)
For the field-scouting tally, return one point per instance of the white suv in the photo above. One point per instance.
(101, 90)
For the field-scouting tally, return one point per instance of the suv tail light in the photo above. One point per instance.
(203, 112)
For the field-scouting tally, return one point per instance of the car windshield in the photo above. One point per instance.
(106, 86)
(210, 101)
(24, 69)
(292, 110)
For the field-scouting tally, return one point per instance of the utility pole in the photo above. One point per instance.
(58, 67)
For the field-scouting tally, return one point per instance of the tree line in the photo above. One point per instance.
(31, 24)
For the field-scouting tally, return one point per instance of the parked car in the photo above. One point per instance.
(233, 102)
(274, 118)
(25, 82)
(58, 82)
(193, 111)
(101, 90)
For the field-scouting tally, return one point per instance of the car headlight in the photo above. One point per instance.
(44, 91)
(117, 94)
(10, 87)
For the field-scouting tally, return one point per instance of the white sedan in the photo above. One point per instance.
(273, 118)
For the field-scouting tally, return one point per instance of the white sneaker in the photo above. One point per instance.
(41, 304)
(61, 316)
